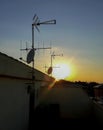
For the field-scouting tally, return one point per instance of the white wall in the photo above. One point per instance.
(14, 99)
(14, 105)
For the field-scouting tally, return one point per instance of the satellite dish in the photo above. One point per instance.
(50, 70)
(30, 56)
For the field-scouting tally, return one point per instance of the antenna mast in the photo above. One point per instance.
(30, 58)
(36, 23)
(52, 56)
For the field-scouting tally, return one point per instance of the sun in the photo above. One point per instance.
(61, 71)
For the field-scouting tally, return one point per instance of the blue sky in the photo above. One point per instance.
(77, 33)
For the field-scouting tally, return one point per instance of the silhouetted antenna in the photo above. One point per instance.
(20, 50)
(50, 69)
(26, 47)
(53, 55)
(45, 67)
(35, 22)
(31, 53)
(51, 47)
(30, 56)
(38, 47)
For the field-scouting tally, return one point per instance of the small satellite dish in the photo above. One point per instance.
(49, 70)
(30, 56)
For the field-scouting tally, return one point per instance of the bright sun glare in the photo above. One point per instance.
(61, 71)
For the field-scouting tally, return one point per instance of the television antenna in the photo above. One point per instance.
(45, 67)
(53, 55)
(22, 49)
(50, 69)
(36, 23)
(31, 53)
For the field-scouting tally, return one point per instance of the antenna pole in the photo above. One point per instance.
(53, 55)
(30, 58)
(36, 23)
(32, 36)
(51, 60)
(34, 50)
(32, 91)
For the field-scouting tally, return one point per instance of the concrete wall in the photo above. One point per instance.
(14, 105)
(14, 97)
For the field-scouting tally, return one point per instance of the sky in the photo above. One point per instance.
(77, 34)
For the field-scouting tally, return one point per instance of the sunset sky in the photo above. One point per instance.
(77, 34)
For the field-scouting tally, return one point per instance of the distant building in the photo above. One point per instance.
(71, 101)
(15, 91)
(98, 91)
(68, 106)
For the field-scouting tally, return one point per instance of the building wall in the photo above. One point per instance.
(14, 105)
(15, 77)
